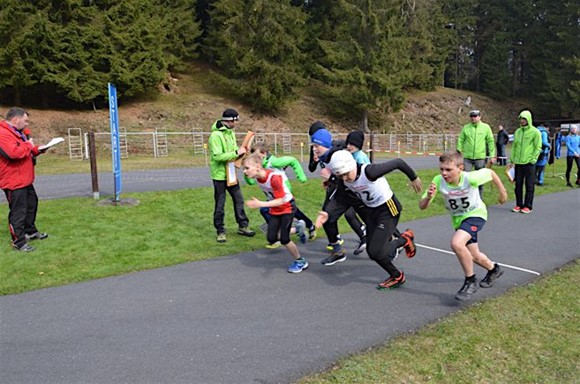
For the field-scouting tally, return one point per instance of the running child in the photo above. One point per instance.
(380, 210)
(323, 147)
(468, 216)
(281, 204)
(270, 161)
(354, 144)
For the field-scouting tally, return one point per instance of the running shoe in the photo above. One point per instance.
(489, 280)
(36, 236)
(340, 242)
(245, 231)
(274, 245)
(526, 210)
(301, 231)
(392, 282)
(312, 233)
(409, 245)
(362, 245)
(517, 209)
(467, 290)
(23, 248)
(335, 257)
(298, 266)
(221, 237)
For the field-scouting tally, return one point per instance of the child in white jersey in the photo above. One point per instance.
(468, 216)
(281, 204)
(380, 208)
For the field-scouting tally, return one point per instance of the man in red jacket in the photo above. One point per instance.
(17, 152)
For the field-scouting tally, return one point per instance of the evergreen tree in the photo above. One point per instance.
(256, 45)
(73, 48)
(365, 56)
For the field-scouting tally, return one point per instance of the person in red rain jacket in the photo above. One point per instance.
(17, 153)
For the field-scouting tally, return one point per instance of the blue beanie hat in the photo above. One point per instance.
(322, 137)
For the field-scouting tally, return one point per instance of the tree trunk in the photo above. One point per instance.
(364, 123)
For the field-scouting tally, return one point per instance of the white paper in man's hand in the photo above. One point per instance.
(55, 141)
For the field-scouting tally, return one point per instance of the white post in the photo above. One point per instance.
(86, 135)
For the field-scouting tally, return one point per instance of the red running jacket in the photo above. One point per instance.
(16, 165)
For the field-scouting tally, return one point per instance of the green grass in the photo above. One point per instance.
(529, 335)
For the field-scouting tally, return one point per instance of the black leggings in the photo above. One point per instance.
(569, 162)
(381, 225)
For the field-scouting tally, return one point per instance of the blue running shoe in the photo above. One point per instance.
(298, 266)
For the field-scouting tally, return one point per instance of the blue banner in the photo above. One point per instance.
(115, 145)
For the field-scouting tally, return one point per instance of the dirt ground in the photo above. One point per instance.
(190, 106)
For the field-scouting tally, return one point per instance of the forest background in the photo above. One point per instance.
(360, 60)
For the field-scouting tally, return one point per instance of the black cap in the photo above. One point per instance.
(315, 127)
(230, 114)
(356, 138)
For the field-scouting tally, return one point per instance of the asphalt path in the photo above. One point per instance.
(244, 319)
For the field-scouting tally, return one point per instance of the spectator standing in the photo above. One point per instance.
(524, 155)
(572, 155)
(223, 153)
(502, 139)
(475, 143)
(17, 153)
(544, 155)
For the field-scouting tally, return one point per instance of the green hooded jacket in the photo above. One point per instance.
(222, 148)
(280, 163)
(527, 143)
(475, 140)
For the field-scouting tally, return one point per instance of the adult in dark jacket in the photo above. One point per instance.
(502, 139)
(17, 152)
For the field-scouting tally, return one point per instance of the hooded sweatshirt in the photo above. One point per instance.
(222, 148)
(527, 143)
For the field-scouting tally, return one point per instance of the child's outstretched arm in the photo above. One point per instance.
(497, 182)
(374, 171)
(426, 201)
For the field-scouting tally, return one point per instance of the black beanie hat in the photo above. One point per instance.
(315, 127)
(230, 114)
(356, 138)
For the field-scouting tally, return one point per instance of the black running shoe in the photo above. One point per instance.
(468, 289)
(335, 257)
(489, 280)
(362, 245)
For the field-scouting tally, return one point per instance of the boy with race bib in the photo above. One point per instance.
(380, 209)
(468, 216)
(274, 184)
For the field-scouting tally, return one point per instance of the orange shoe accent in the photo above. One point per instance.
(392, 282)
(409, 245)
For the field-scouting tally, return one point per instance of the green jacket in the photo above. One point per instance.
(273, 162)
(475, 140)
(527, 143)
(222, 148)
